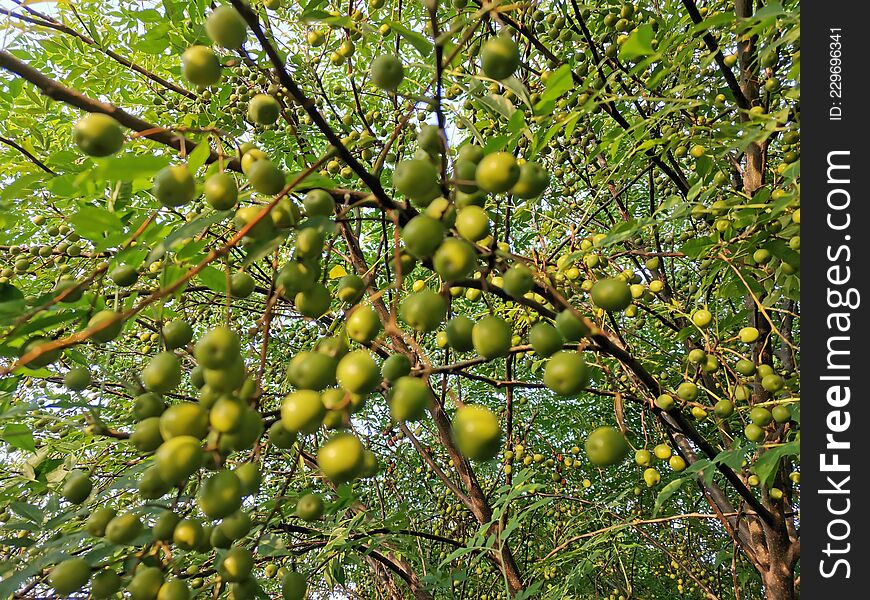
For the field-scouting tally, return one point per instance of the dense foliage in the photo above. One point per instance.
(400, 299)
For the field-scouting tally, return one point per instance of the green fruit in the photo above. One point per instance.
(772, 383)
(174, 590)
(643, 458)
(220, 495)
(545, 339)
(123, 529)
(200, 66)
(454, 260)
(226, 27)
(148, 405)
(174, 186)
(263, 109)
(702, 318)
(309, 243)
(98, 520)
(294, 586)
(242, 285)
(302, 411)
(723, 409)
(319, 202)
(188, 534)
(217, 349)
(146, 583)
(423, 311)
(363, 324)
(418, 180)
(764, 370)
(518, 281)
(221, 191)
(313, 302)
(476, 432)
(341, 458)
(422, 236)
(358, 373)
(105, 584)
(267, 178)
(124, 275)
(151, 485)
(237, 525)
(497, 172)
(748, 335)
(75, 293)
(459, 333)
(47, 356)
(77, 487)
(312, 370)
(566, 373)
(781, 413)
(164, 526)
(611, 294)
(697, 356)
(295, 277)
(261, 229)
(309, 507)
(429, 139)
(350, 289)
(491, 337)
(665, 402)
(184, 419)
(499, 57)
(163, 373)
(249, 474)
(285, 214)
(606, 446)
(760, 416)
(572, 327)
(98, 134)
(688, 391)
(396, 366)
(677, 463)
(178, 458)
(754, 433)
(146, 435)
(409, 399)
(470, 153)
(111, 325)
(472, 223)
(745, 367)
(532, 182)
(227, 414)
(69, 576)
(387, 72)
(77, 379)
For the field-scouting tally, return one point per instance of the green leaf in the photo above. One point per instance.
(213, 279)
(559, 82)
(128, 167)
(19, 436)
(418, 40)
(92, 222)
(666, 492)
(199, 156)
(767, 464)
(638, 44)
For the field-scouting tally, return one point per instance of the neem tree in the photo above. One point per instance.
(377, 301)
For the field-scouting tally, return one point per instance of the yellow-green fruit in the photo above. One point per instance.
(677, 463)
(177, 334)
(545, 339)
(572, 327)
(242, 285)
(152, 485)
(423, 311)
(566, 373)
(606, 446)
(396, 366)
(200, 66)
(651, 477)
(309, 243)
(280, 436)
(702, 318)
(48, 356)
(174, 590)
(699, 413)
(98, 520)
(313, 302)
(472, 223)
(263, 109)
(723, 408)
(146, 583)
(319, 202)
(162, 374)
(772, 383)
(518, 281)
(217, 349)
(267, 178)
(760, 416)
(643, 458)
(105, 584)
(497, 172)
(455, 259)
(662, 451)
(422, 236)
(226, 27)
(111, 325)
(459, 333)
(753, 433)
(341, 458)
(363, 324)
(236, 565)
(184, 419)
(164, 526)
(311, 370)
(77, 487)
(124, 275)
(309, 507)
(237, 525)
(220, 495)
(249, 474)
(781, 413)
(387, 72)
(261, 228)
(350, 289)
(532, 182)
(499, 57)
(69, 576)
(665, 402)
(611, 294)
(178, 458)
(77, 379)
(146, 435)
(688, 391)
(188, 534)
(294, 586)
(409, 399)
(174, 186)
(98, 134)
(123, 529)
(748, 335)
(302, 411)
(476, 432)
(358, 373)
(491, 337)
(418, 180)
